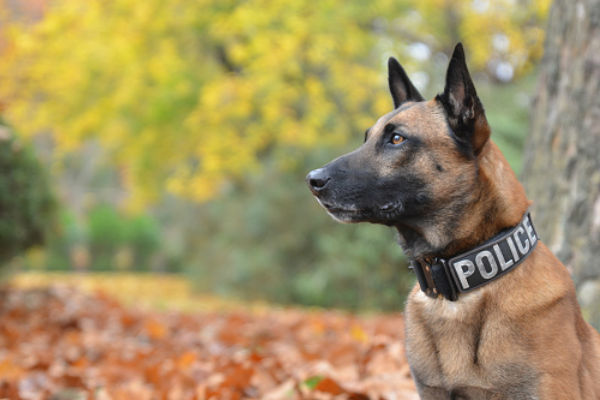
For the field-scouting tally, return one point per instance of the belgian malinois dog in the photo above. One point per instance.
(494, 314)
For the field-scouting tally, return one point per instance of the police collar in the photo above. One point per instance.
(474, 268)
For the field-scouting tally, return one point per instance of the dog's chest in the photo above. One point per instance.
(464, 350)
(441, 344)
(454, 345)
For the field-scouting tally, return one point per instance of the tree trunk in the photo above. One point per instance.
(562, 159)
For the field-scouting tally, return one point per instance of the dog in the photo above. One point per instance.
(494, 313)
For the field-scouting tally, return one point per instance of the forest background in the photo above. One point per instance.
(174, 137)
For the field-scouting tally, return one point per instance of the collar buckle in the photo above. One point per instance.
(435, 278)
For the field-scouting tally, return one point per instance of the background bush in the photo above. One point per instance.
(26, 202)
(108, 240)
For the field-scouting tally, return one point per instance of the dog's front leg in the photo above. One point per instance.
(562, 387)
(430, 392)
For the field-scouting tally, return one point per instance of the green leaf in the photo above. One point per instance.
(313, 381)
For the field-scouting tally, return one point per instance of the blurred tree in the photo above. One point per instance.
(562, 167)
(197, 94)
(26, 202)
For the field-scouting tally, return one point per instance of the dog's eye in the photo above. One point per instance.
(397, 138)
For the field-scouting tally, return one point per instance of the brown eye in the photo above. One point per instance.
(397, 138)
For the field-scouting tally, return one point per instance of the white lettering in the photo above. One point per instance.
(524, 244)
(493, 266)
(462, 273)
(513, 249)
(503, 264)
(529, 229)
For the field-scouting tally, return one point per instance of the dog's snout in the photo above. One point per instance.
(317, 179)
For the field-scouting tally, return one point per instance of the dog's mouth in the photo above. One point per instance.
(390, 207)
(352, 213)
(341, 213)
(334, 208)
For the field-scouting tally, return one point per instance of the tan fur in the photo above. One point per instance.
(524, 327)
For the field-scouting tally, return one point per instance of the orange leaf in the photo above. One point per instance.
(155, 329)
(9, 370)
(358, 333)
(328, 385)
(186, 359)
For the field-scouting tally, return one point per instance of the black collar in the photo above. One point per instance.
(472, 269)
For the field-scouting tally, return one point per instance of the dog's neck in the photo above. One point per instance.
(498, 202)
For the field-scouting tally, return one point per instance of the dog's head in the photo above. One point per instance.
(418, 163)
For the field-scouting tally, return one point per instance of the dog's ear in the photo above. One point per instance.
(401, 87)
(465, 112)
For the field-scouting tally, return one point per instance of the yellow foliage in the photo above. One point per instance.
(148, 291)
(188, 95)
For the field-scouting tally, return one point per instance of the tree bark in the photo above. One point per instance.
(562, 158)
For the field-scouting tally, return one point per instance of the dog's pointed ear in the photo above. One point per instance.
(465, 112)
(401, 87)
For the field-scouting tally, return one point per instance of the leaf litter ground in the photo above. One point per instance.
(61, 343)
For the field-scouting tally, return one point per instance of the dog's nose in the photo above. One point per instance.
(317, 179)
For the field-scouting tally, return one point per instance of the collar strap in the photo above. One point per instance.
(477, 267)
